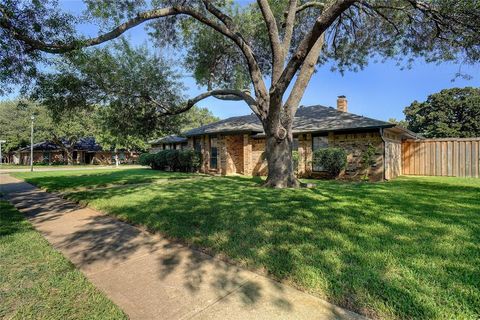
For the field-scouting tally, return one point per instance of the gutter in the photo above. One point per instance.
(384, 160)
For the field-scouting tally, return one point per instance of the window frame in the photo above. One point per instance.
(213, 160)
(325, 137)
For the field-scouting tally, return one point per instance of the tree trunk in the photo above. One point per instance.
(69, 155)
(278, 149)
(116, 158)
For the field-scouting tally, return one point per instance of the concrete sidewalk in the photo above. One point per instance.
(150, 277)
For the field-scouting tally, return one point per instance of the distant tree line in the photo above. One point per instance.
(67, 127)
(451, 112)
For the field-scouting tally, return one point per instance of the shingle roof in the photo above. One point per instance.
(83, 144)
(320, 118)
(169, 139)
(307, 119)
(249, 123)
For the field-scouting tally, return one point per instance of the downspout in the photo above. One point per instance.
(384, 146)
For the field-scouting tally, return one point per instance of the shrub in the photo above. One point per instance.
(160, 160)
(189, 160)
(332, 160)
(174, 160)
(171, 157)
(146, 159)
(368, 160)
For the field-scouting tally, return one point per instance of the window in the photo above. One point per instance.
(197, 145)
(213, 153)
(319, 142)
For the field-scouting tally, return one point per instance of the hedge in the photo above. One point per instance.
(172, 160)
(332, 160)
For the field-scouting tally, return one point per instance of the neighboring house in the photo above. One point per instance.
(85, 151)
(236, 145)
(168, 142)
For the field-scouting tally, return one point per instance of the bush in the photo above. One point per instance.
(171, 157)
(160, 160)
(174, 160)
(368, 160)
(146, 159)
(332, 160)
(189, 160)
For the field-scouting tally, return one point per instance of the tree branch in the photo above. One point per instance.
(253, 67)
(325, 20)
(222, 94)
(304, 76)
(227, 21)
(310, 5)
(289, 25)
(273, 35)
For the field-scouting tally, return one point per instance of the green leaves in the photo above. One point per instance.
(131, 86)
(449, 113)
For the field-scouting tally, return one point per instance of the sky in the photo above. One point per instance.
(380, 91)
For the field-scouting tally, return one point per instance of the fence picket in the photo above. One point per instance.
(442, 157)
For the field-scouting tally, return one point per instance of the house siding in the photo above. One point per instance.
(243, 154)
(393, 154)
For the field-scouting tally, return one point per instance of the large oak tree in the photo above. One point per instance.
(451, 112)
(269, 45)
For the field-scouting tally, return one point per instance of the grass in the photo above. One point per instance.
(73, 180)
(37, 282)
(404, 249)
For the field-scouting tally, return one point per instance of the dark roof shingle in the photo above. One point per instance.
(307, 119)
(170, 139)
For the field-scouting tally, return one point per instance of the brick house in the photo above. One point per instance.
(85, 151)
(236, 145)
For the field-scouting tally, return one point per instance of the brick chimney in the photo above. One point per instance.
(342, 104)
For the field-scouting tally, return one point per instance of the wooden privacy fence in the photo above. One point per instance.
(453, 157)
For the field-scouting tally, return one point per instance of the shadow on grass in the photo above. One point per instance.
(401, 249)
(61, 180)
(93, 241)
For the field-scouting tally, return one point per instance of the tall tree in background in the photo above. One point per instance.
(448, 113)
(69, 127)
(281, 41)
(196, 117)
(15, 124)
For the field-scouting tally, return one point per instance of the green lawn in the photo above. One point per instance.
(72, 180)
(404, 249)
(37, 282)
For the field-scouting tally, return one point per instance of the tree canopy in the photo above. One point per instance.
(15, 124)
(448, 113)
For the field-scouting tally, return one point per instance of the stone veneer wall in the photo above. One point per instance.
(242, 154)
(393, 154)
(259, 162)
(355, 144)
(234, 148)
